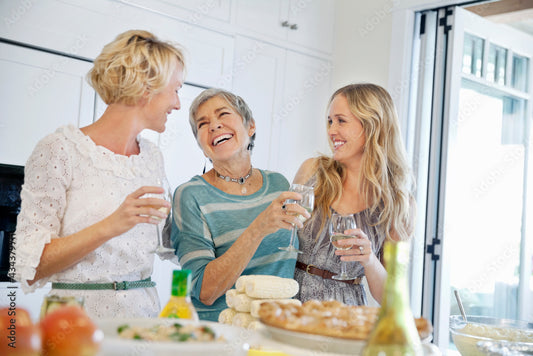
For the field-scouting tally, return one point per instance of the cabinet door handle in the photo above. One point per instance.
(285, 24)
(294, 26)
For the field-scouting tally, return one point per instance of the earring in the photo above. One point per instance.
(205, 164)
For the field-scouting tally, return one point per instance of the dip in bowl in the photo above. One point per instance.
(466, 336)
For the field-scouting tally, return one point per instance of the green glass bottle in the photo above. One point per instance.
(395, 333)
(180, 305)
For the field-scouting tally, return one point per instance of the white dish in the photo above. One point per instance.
(327, 344)
(313, 342)
(486, 330)
(235, 339)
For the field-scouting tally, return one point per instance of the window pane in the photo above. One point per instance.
(484, 200)
(496, 64)
(520, 73)
(513, 122)
(473, 55)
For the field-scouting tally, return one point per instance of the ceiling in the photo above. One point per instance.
(515, 13)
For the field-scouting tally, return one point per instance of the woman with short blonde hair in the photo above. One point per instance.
(86, 224)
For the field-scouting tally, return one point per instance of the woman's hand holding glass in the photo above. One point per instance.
(135, 209)
(307, 202)
(339, 228)
(166, 196)
(356, 248)
(279, 215)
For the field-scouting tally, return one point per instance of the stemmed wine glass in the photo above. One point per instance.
(307, 202)
(161, 249)
(338, 224)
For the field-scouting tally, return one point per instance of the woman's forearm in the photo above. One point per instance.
(62, 253)
(221, 273)
(375, 275)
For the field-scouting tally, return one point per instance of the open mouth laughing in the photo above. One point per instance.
(221, 139)
(337, 143)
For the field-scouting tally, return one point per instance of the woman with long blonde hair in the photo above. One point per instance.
(367, 177)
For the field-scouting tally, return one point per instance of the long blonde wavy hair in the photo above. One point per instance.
(385, 178)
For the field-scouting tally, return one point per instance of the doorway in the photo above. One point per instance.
(473, 153)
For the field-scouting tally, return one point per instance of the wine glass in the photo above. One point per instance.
(338, 224)
(161, 249)
(307, 202)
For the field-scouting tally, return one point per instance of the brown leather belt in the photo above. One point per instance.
(324, 273)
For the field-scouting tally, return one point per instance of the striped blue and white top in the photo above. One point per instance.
(206, 222)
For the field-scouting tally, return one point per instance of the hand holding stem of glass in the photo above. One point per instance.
(337, 231)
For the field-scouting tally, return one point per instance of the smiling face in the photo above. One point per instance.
(345, 131)
(222, 134)
(164, 102)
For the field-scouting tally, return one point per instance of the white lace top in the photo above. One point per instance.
(71, 183)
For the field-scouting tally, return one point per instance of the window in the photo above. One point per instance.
(477, 214)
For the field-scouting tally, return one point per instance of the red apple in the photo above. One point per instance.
(18, 335)
(69, 331)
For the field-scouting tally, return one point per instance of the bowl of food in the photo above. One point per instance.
(168, 337)
(470, 337)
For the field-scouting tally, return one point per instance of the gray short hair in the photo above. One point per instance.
(236, 102)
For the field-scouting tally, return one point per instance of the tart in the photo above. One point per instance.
(328, 318)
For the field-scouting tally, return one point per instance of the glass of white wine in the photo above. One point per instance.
(161, 249)
(338, 225)
(307, 202)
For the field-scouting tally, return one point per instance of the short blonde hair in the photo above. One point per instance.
(135, 63)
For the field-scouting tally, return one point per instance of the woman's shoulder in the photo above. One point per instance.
(147, 146)
(275, 177)
(195, 184)
(61, 134)
(59, 142)
(307, 170)
(272, 174)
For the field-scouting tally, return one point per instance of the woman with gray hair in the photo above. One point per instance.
(230, 221)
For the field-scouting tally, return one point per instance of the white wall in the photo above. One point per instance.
(373, 44)
(362, 41)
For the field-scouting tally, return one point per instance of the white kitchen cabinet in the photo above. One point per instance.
(208, 56)
(195, 12)
(258, 78)
(83, 28)
(307, 23)
(299, 126)
(40, 91)
(288, 93)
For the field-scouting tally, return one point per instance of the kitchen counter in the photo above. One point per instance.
(240, 342)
